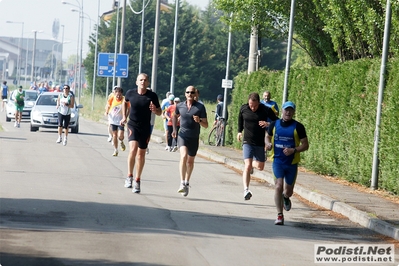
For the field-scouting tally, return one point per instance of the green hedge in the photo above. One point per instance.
(338, 105)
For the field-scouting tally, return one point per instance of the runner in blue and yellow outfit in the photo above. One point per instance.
(19, 106)
(286, 138)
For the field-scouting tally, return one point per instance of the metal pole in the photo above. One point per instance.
(141, 39)
(374, 178)
(172, 76)
(62, 49)
(122, 42)
(95, 59)
(26, 59)
(225, 89)
(33, 56)
(289, 48)
(155, 52)
(81, 54)
(253, 49)
(116, 44)
(20, 55)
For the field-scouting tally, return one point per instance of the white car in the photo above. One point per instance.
(30, 98)
(44, 113)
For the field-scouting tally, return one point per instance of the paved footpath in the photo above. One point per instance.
(366, 209)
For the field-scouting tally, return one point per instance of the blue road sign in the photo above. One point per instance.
(106, 65)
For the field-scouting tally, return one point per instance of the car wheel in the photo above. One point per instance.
(8, 119)
(33, 129)
(75, 129)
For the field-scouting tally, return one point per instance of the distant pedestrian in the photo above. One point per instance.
(152, 123)
(142, 102)
(197, 96)
(114, 112)
(110, 134)
(252, 118)
(19, 106)
(170, 113)
(65, 103)
(4, 94)
(286, 138)
(219, 110)
(269, 103)
(165, 104)
(192, 116)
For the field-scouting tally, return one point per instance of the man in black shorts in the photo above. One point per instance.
(143, 102)
(192, 116)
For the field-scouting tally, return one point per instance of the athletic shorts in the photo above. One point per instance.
(192, 145)
(288, 172)
(4, 97)
(117, 127)
(139, 133)
(63, 120)
(19, 108)
(255, 152)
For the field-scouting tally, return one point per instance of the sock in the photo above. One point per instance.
(137, 179)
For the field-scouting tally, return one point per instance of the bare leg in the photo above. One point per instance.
(140, 160)
(133, 147)
(189, 167)
(278, 194)
(246, 177)
(183, 163)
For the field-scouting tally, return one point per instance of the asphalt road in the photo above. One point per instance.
(67, 206)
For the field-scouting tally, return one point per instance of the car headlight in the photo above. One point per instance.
(29, 104)
(73, 114)
(36, 114)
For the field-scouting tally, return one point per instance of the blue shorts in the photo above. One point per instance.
(255, 152)
(288, 172)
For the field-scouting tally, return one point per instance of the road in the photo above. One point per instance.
(66, 205)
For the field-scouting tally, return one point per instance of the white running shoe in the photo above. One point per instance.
(167, 148)
(147, 151)
(128, 182)
(174, 149)
(109, 138)
(15, 124)
(59, 140)
(115, 153)
(65, 142)
(247, 194)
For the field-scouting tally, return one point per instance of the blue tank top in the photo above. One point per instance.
(285, 137)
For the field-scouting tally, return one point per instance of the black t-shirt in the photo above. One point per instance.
(140, 112)
(248, 121)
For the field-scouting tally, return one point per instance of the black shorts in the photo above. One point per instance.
(4, 97)
(140, 133)
(117, 127)
(192, 145)
(63, 120)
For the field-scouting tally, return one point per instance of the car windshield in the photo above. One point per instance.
(30, 95)
(47, 100)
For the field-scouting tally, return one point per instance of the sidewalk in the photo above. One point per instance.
(366, 209)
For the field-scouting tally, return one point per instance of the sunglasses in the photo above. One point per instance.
(66, 88)
(190, 92)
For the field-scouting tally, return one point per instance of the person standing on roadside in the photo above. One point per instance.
(192, 116)
(142, 102)
(219, 110)
(286, 138)
(4, 94)
(19, 106)
(164, 105)
(252, 118)
(114, 112)
(65, 103)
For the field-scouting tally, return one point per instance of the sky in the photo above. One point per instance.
(41, 14)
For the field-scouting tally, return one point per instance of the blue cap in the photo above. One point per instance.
(289, 104)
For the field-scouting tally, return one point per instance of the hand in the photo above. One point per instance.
(268, 146)
(263, 124)
(123, 122)
(196, 118)
(152, 107)
(239, 135)
(174, 134)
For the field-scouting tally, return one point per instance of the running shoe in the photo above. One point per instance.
(59, 140)
(115, 153)
(174, 149)
(18, 125)
(123, 147)
(15, 124)
(167, 148)
(279, 220)
(286, 203)
(65, 142)
(247, 194)
(252, 171)
(147, 151)
(136, 187)
(128, 182)
(170, 149)
(186, 188)
(109, 138)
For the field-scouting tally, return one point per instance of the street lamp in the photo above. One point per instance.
(56, 60)
(95, 58)
(80, 42)
(18, 74)
(33, 55)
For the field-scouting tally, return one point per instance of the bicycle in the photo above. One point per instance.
(216, 134)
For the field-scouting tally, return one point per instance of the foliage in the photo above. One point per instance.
(337, 105)
(328, 30)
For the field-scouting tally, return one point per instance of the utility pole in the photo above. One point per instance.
(253, 50)
(122, 42)
(155, 52)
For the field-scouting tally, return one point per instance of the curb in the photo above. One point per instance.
(321, 200)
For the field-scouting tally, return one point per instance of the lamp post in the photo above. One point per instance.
(80, 44)
(56, 61)
(18, 74)
(52, 60)
(33, 55)
(95, 59)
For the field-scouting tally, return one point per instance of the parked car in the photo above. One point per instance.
(44, 113)
(30, 98)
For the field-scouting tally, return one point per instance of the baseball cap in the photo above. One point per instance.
(171, 97)
(19, 87)
(220, 97)
(289, 104)
(177, 99)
